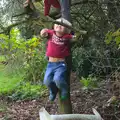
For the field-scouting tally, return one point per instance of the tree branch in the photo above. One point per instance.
(83, 2)
(93, 1)
(7, 29)
(49, 22)
(52, 21)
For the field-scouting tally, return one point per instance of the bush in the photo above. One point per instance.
(27, 91)
(81, 64)
(95, 58)
(24, 55)
(35, 65)
(89, 82)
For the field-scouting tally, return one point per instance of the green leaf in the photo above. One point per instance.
(117, 40)
(108, 37)
(3, 36)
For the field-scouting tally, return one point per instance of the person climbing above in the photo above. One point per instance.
(63, 5)
(48, 4)
(58, 48)
(60, 5)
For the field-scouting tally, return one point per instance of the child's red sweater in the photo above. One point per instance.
(58, 47)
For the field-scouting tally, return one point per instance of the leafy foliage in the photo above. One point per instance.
(27, 91)
(16, 88)
(95, 59)
(31, 51)
(8, 82)
(89, 82)
(27, 58)
(35, 65)
(113, 36)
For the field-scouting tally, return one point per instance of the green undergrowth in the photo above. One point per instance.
(2, 58)
(89, 82)
(14, 87)
(27, 91)
(7, 82)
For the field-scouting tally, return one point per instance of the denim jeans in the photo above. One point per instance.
(55, 78)
(65, 9)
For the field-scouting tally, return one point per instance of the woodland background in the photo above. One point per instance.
(95, 78)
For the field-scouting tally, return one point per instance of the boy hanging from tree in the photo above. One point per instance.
(57, 50)
(63, 5)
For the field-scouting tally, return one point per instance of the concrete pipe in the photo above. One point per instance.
(44, 115)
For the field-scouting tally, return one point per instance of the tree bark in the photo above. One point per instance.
(65, 106)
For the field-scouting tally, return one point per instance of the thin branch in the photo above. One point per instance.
(92, 12)
(84, 2)
(24, 13)
(93, 2)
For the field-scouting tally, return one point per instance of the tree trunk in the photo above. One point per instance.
(65, 107)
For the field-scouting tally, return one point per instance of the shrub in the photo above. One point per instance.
(89, 82)
(95, 58)
(27, 91)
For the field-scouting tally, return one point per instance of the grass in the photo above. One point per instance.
(13, 85)
(7, 83)
(17, 89)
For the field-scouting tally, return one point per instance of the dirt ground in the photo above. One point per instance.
(82, 102)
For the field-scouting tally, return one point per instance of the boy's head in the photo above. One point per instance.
(62, 29)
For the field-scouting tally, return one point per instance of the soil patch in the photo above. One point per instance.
(82, 102)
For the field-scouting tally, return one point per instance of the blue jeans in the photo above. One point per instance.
(55, 78)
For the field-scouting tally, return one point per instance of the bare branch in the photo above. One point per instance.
(83, 2)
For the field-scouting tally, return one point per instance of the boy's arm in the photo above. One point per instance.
(70, 37)
(44, 32)
(73, 38)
